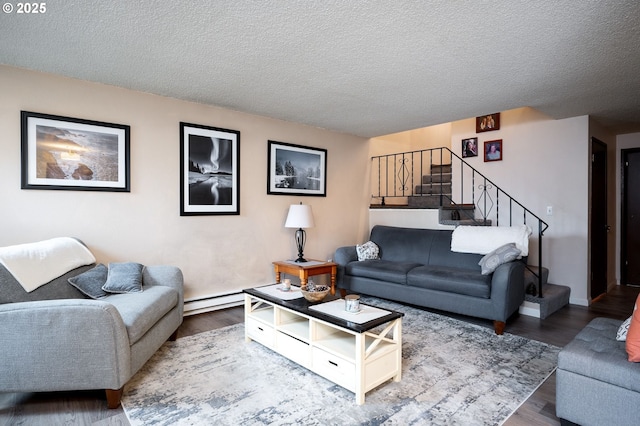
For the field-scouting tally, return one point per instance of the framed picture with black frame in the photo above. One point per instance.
(296, 170)
(209, 170)
(469, 147)
(73, 154)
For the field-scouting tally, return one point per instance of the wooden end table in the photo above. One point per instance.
(304, 270)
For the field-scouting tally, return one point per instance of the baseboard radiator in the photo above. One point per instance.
(212, 303)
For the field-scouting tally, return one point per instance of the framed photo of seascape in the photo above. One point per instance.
(74, 154)
(209, 170)
(296, 170)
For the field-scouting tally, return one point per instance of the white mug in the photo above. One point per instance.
(352, 303)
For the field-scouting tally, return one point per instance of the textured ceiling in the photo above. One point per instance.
(366, 68)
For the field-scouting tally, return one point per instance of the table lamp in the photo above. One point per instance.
(300, 216)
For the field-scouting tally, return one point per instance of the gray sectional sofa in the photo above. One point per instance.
(417, 267)
(595, 383)
(57, 339)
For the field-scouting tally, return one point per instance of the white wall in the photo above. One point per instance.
(545, 163)
(218, 254)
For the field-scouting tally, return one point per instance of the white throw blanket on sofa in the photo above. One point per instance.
(35, 264)
(485, 239)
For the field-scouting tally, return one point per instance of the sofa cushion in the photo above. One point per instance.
(90, 282)
(12, 292)
(440, 253)
(394, 272)
(124, 277)
(450, 280)
(140, 311)
(596, 353)
(404, 244)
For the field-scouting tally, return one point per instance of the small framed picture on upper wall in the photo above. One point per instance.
(493, 150)
(487, 123)
(469, 147)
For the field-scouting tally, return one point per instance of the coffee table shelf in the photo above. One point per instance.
(358, 357)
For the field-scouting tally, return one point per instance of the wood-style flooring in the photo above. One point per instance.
(89, 408)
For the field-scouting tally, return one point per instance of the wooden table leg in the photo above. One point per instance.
(333, 281)
(304, 277)
(277, 274)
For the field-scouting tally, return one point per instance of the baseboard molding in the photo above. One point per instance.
(212, 303)
(530, 309)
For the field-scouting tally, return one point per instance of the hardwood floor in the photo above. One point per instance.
(89, 408)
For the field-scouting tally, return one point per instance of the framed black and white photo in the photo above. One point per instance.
(209, 170)
(296, 170)
(74, 154)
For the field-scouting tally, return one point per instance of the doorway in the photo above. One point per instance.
(599, 227)
(630, 226)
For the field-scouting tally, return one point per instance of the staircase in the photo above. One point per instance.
(434, 192)
(555, 296)
(439, 179)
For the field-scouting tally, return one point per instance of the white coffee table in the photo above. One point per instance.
(356, 351)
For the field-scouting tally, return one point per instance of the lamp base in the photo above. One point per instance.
(301, 237)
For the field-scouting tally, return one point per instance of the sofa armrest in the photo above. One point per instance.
(507, 288)
(65, 344)
(165, 275)
(344, 255)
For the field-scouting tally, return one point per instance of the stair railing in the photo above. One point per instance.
(395, 176)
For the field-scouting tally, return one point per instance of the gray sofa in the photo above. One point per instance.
(417, 266)
(56, 339)
(595, 383)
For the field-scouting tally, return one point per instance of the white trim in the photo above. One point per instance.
(212, 303)
(530, 309)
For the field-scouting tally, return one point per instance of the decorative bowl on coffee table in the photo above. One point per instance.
(318, 293)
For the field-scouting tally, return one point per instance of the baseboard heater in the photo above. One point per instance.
(200, 305)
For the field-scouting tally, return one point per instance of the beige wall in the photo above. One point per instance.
(412, 140)
(218, 254)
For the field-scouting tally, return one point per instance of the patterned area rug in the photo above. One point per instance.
(453, 373)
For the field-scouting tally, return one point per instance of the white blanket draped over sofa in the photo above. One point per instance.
(485, 239)
(54, 257)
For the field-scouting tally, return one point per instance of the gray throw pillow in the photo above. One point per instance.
(90, 282)
(502, 254)
(125, 277)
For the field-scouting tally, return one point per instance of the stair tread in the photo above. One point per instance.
(459, 207)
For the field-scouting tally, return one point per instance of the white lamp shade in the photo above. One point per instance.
(300, 216)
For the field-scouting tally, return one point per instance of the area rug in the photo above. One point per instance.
(453, 372)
